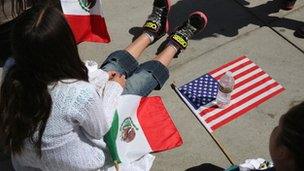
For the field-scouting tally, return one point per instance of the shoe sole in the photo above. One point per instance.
(203, 16)
(287, 8)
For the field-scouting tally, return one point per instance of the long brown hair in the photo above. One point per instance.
(292, 135)
(45, 51)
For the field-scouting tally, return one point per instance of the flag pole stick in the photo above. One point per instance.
(211, 135)
(116, 165)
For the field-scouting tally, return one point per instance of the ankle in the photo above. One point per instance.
(174, 46)
(150, 36)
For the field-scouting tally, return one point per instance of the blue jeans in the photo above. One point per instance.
(143, 78)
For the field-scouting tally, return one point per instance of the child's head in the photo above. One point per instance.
(287, 140)
(43, 42)
(45, 51)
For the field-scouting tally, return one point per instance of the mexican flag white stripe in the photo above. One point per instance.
(124, 111)
(86, 19)
(74, 7)
(141, 125)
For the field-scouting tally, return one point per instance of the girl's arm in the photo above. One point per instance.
(91, 115)
(97, 76)
(111, 94)
(108, 90)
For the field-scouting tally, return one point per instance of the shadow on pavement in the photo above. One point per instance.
(205, 167)
(225, 17)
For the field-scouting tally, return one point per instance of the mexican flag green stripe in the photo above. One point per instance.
(111, 137)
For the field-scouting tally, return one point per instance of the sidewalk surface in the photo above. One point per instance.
(236, 27)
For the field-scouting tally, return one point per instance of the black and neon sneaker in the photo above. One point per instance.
(157, 23)
(195, 23)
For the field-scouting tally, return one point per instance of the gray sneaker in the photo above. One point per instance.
(195, 23)
(157, 22)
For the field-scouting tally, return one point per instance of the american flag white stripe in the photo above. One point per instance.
(252, 87)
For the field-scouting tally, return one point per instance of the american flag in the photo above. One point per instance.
(252, 87)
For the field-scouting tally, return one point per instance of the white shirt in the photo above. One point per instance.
(81, 115)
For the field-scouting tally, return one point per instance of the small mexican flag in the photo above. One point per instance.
(141, 125)
(86, 19)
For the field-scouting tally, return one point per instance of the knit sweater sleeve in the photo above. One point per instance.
(111, 95)
(108, 90)
(90, 113)
(97, 76)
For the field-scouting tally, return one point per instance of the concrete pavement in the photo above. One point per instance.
(235, 28)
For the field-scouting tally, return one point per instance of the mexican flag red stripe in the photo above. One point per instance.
(157, 125)
(85, 17)
(141, 125)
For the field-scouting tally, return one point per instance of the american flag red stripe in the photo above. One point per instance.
(252, 87)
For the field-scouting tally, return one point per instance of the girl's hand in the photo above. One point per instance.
(120, 79)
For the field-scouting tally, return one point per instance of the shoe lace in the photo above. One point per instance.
(156, 14)
(187, 31)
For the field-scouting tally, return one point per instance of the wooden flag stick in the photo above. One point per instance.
(211, 135)
(116, 165)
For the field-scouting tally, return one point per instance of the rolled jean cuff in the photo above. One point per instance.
(120, 61)
(158, 71)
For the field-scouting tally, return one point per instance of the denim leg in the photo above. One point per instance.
(122, 62)
(149, 76)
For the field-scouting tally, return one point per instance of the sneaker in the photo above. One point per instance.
(287, 4)
(300, 32)
(157, 23)
(196, 22)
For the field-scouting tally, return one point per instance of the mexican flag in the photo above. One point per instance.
(86, 19)
(140, 125)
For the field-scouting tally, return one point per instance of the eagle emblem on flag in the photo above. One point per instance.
(87, 4)
(127, 130)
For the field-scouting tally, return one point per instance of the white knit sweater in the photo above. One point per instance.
(81, 115)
